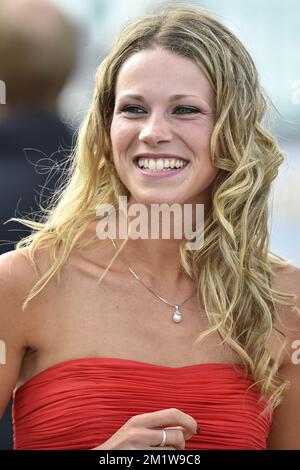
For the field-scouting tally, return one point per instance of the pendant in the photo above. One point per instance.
(177, 317)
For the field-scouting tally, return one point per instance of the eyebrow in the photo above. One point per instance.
(172, 98)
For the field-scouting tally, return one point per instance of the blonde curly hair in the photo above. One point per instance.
(233, 268)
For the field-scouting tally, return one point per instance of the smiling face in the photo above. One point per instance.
(150, 118)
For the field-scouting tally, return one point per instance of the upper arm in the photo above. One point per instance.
(285, 428)
(13, 281)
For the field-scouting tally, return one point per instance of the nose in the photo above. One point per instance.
(156, 129)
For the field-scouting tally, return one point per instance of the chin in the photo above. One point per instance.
(156, 199)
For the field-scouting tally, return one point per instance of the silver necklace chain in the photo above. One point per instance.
(177, 315)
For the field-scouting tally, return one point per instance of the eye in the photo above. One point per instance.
(132, 109)
(187, 110)
(127, 109)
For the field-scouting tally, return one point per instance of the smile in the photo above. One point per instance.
(160, 166)
(160, 163)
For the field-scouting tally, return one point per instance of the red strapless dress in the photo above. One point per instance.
(79, 404)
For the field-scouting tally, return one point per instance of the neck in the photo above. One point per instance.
(156, 261)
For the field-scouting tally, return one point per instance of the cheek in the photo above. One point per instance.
(121, 133)
(114, 135)
(120, 142)
(200, 138)
(198, 133)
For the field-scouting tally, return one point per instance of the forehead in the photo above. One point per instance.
(161, 71)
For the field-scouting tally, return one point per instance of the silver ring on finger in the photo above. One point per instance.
(163, 439)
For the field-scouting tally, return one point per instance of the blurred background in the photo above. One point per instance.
(73, 41)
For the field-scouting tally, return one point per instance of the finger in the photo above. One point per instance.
(174, 437)
(168, 418)
(161, 448)
(187, 434)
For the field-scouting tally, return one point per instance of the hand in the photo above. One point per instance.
(143, 432)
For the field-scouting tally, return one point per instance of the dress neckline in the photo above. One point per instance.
(225, 365)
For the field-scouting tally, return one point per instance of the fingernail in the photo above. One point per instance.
(198, 429)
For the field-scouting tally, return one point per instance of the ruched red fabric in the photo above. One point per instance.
(81, 403)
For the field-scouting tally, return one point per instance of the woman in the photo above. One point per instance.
(174, 348)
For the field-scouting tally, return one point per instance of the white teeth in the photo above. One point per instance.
(160, 164)
(152, 165)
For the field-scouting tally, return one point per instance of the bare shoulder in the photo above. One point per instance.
(286, 278)
(285, 428)
(287, 318)
(17, 276)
